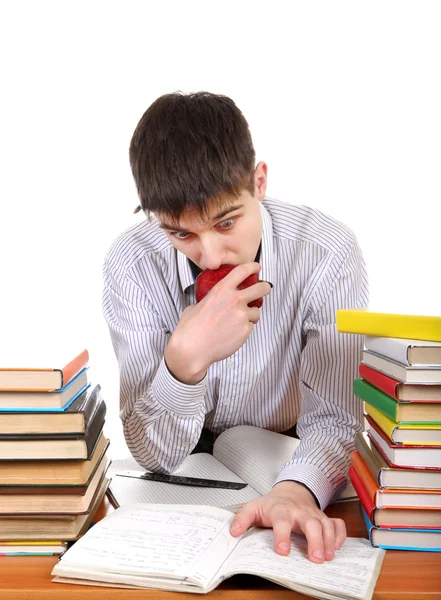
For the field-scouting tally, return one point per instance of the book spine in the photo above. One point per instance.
(74, 367)
(389, 325)
(365, 500)
(365, 476)
(389, 347)
(373, 396)
(386, 384)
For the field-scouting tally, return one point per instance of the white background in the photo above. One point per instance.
(343, 101)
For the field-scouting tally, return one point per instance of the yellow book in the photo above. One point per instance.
(389, 325)
(408, 435)
(33, 543)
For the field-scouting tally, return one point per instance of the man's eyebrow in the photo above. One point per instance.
(223, 213)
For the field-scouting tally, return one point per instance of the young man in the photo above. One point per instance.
(217, 364)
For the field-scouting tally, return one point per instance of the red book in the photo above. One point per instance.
(410, 392)
(415, 518)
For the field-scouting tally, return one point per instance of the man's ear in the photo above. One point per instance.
(260, 179)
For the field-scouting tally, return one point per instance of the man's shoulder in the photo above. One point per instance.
(299, 223)
(138, 242)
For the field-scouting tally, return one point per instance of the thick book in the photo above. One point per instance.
(407, 352)
(242, 454)
(18, 504)
(420, 518)
(53, 446)
(44, 376)
(74, 420)
(420, 457)
(188, 548)
(407, 434)
(49, 527)
(51, 476)
(393, 498)
(15, 401)
(400, 390)
(364, 322)
(398, 371)
(423, 540)
(388, 476)
(401, 412)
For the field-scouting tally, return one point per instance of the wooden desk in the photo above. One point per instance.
(404, 576)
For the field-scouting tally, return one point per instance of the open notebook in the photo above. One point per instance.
(243, 454)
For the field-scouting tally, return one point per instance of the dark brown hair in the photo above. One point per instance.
(189, 152)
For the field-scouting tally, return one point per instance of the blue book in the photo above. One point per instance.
(401, 538)
(37, 402)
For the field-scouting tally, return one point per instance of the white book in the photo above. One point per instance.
(242, 454)
(405, 351)
(190, 549)
(399, 371)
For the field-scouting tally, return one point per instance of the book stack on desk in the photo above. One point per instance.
(396, 469)
(53, 459)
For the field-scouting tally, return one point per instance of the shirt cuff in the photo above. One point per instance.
(175, 396)
(312, 478)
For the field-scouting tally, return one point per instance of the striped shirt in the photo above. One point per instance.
(294, 368)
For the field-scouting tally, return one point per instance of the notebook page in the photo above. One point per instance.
(257, 456)
(352, 573)
(163, 544)
(127, 490)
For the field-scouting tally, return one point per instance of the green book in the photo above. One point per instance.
(412, 413)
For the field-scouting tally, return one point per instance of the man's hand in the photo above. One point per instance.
(216, 327)
(288, 507)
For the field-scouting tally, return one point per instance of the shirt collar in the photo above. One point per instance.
(187, 278)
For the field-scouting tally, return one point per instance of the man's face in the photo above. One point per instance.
(230, 235)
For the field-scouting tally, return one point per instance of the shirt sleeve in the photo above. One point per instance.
(162, 417)
(330, 414)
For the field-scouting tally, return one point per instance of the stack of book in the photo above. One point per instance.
(53, 458)
(396, 469)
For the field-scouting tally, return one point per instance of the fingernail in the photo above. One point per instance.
(318, 554)
(329, 554)
(283, 548)
(235, 527)
(268, 282)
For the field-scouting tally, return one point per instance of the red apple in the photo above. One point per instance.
(207, 279)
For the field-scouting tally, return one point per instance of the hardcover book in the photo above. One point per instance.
(53, 447)
(41, 476)
(420, 457)
(405, 351)
(424, 540)
(14, 401)
(389, 325)
(18, 504)
(399, 390)
(407, 434)
(43, 377)
(401, 412)
(49, 527)
(70, 422)
(393, 498)
(402, 518)
(389, 476)
(398, 371)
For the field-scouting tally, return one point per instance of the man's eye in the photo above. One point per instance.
(227, 223)
(180, 235)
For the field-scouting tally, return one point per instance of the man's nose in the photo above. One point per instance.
(213, 254)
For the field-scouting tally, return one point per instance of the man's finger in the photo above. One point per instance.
(244, 519)
(312, 529)
(340, 533)
(328, 532)
(282, 526)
